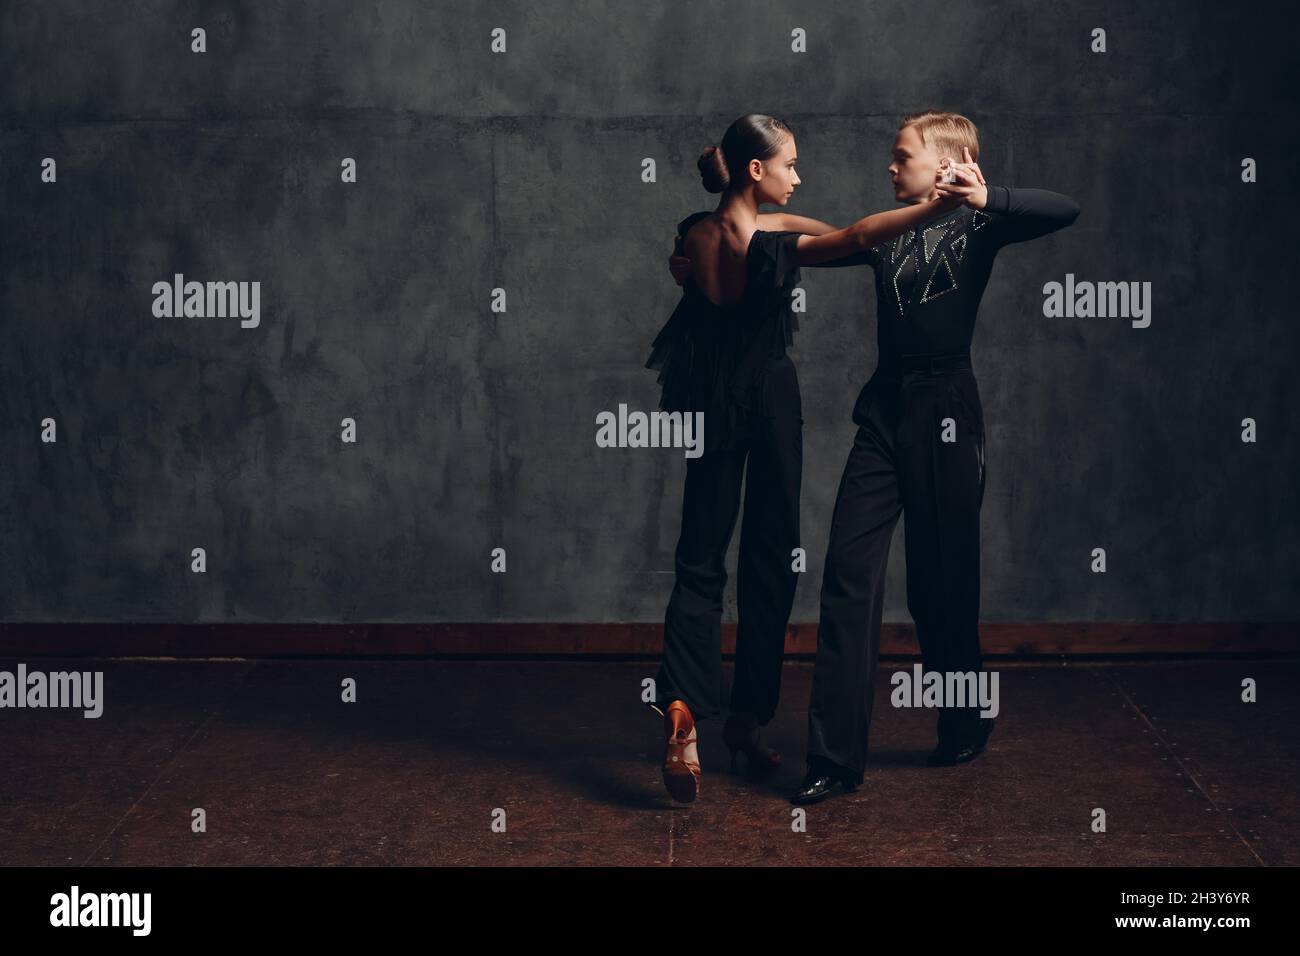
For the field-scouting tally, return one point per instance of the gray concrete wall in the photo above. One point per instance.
(476, 430)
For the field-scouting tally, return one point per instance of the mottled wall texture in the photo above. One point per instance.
(522, 170)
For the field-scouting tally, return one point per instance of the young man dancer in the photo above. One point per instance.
(919, 450)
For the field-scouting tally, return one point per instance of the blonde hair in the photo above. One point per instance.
(947, 133)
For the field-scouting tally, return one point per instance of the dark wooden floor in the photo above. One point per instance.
(412, 772)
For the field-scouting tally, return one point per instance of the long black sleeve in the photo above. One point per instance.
(930, 280)
(1019, 214)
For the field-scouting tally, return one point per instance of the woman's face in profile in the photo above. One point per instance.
(779, 179)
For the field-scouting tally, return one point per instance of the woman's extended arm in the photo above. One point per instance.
(680, 266)
(870, 230)
(785, 222)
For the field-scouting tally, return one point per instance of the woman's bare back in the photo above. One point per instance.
(719, 255)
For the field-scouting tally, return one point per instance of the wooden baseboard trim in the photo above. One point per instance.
(547, 639)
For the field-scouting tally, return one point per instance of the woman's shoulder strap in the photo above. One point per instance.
(773, 253)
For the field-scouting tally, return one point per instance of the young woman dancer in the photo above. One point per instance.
(723, 353)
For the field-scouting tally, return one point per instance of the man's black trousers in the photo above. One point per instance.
(919, 452)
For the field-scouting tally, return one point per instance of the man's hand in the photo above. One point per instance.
(679, 266)
(966, 159)
(970, 187)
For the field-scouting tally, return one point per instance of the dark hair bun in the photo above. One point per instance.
(713, 169)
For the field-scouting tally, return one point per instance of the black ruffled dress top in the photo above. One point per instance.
(711, 358)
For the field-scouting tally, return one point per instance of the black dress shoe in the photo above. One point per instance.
(819, 783)
(950, 752)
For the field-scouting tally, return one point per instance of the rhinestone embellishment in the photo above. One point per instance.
(901, 244)
(933, 236)
(898, 272)
(942, 281)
